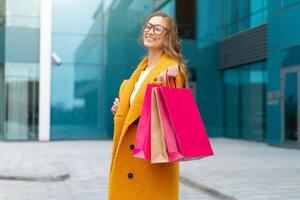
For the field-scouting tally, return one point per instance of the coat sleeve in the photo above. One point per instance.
(122, 88)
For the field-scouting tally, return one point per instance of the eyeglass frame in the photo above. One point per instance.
(153, 26)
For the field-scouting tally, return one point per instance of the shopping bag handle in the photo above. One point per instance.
(170, 81)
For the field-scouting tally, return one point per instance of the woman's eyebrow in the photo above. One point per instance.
(155, 24)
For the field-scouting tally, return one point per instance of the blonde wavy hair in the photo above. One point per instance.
(171, 44)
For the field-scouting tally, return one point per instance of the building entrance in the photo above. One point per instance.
(290, 105)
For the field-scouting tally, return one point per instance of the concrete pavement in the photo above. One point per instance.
(248, 170)
(238, 170)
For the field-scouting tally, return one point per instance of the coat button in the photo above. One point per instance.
(130, 175)
(132, 147)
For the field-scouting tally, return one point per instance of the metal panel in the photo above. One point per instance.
(245, 47)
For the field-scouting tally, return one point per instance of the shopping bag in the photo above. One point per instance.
(167, 128)
(189, 130)
(159, 152)
(142, 148)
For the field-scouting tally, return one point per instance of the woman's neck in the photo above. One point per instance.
(153, 56)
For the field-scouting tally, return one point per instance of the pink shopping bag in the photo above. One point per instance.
(142, 146)
(168, 131)
(187, 124)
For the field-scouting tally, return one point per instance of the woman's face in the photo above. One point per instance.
(154, 32)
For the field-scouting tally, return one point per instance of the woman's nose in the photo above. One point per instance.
(151, 31)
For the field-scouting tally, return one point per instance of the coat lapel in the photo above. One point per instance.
(135, 109)
(125, 98)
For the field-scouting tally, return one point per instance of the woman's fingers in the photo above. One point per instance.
(115, 105)
(113, 110)
(160, 77)
(172, 73)
(117, 101)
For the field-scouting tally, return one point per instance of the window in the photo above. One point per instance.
(239, 15)
(186, 18)
(288, 2)
(244, 101)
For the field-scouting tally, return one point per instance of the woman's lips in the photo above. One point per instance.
(151, 39)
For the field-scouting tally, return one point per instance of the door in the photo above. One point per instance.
(290, 105)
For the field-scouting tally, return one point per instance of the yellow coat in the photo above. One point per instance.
(134, 178)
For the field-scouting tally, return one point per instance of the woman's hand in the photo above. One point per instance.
(115, 106)
(172, 73)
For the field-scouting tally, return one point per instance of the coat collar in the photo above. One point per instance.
(134, 110)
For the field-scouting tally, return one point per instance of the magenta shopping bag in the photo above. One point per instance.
(169, 134)
(187, 124)
(142, 146)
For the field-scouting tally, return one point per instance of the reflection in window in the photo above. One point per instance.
(1, 101)
(231, 100)
(245, 89)
(238, 15)
(290, 56)
(288, 2)
(169, 8)
(208, 22)
(22, 13)
(19, 58)
(97, 53)
(21, 100)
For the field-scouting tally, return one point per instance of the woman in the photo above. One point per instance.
(133, 178)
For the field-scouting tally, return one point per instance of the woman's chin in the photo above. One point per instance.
(150, 45)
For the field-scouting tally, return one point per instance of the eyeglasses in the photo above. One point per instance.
(157, 29)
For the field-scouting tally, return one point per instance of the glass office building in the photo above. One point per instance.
(61, 64)
(230, 85)
(19, 66)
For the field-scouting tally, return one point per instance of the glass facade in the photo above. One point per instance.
(19, 70)
(168, 7)
(290, 59)
(290, 56)
(95, 47)
(283, 57)
(2, 45)
(288, 2)
(238, 15)
(209, 22)
(1, 101)
(222, 18)
(231, 103)
(245, 101)
(240, 99)
(291, 102)
(97, 53)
